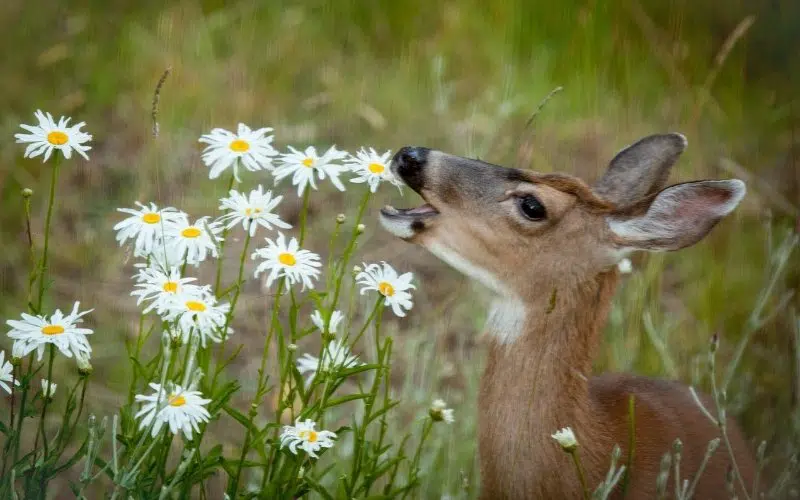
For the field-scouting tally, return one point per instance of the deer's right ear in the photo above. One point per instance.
(678, 216)
(640, 170)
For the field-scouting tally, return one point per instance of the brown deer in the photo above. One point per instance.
(547, 245)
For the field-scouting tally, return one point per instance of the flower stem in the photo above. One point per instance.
(304, 215)
(221, 259)
(47, 221)
(233, 485)
(51, 356)
(578, 467)
(237, 291)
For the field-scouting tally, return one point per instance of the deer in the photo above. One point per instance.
(547, 246)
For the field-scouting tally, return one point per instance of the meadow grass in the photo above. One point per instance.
(462, 77)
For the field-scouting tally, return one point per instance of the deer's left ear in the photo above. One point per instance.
(678, 216)
(640, 170)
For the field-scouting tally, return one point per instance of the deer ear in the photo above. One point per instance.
(640, 169)
(678, 216)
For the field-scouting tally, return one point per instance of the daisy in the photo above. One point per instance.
(164, 257)
(48, 388)
(182, 409)
(34, 332)
(336, 356)
(250, 148)
(389, 284)
(303, 166)
(49, 135)
(302, 434)
(319, 321)
(147, 226)
(566, 439)
(6, 373)
(161, 288)
(439, 412)
(288, 261)
(372, 168)
(199, 313)
(194, 240)
(625, 266)
(251, 210)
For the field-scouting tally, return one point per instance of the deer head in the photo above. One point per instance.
(527, 235)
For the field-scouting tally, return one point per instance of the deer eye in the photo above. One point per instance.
(532, 208)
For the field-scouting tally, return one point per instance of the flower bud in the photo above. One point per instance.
(566, 439)
(27, 193)
(360, 228)
(340, 219)
(291, 347)
(84, 366)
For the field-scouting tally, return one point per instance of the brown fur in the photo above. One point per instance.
(538, 385)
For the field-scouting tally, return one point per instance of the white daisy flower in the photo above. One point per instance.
(48, 388)
(319, 321)
(625, 266)
(304, 166)
(6, 373)
(439, 412)
(148, 225)
(389, 284)
(194, 240)
(199, 313)
(336, 356)
(161, 288)
(163, 257)
(566, 439)
(49, 135)
(250, 148)
(35, 332)
(181, 409)
(252, 210)
(303, 435)
(372, 168)
(289, 261)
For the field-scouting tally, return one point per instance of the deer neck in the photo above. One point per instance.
(537, 381)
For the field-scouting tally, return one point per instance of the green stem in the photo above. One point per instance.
(234, 485)
(47, 221)
(24, 400)
(304, 215)
(631, 445)
(221, 260)
(47, 398)
(577, 461)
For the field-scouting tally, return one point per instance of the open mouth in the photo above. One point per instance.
(420, 212)
(407, 222)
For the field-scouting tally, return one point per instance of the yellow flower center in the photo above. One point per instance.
(308, 162)
(376, 168)
(250, 211)
(52, 330)
(191, 232)
(287, 259)
(239, 146)
(170, 286)
(193, 305)
(310, 436)
(151, 218)
(57, 138)
(176, 400)
(386, 289)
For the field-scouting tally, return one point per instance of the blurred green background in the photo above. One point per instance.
(461, 76)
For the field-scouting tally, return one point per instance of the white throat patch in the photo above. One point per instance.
(507, 313)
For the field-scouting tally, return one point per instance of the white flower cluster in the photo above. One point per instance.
(167, 240)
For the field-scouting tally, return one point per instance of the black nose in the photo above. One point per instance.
(408, 164)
